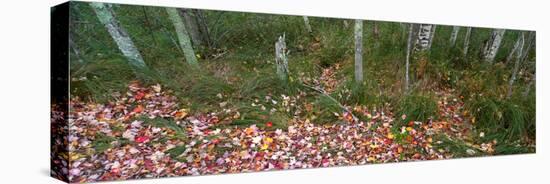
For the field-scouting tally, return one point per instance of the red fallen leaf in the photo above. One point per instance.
(138, 109)
(148, 164)
(142, 139)
(269, 124)
(215, 141)
(115, 171)
(139, 95)
(411, 123)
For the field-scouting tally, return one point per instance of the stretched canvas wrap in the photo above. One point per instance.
(148, 92)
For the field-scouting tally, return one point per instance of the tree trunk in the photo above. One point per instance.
(424, 37)
(432, 34)
(466, 41)
(375, 31)
(183, 36)
(203, 27)
(492, 45)
(514, 49)
(454, 35)
(191, 25)
(529, 43)
(516, 65)
(125, 44)
(531, 83)
(308, 26)
(407, 59)
(358, 51)
(281, 58)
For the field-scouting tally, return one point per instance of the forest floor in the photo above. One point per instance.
(146, 133)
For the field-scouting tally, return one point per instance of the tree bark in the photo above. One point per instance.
(529, 43)
(425, 35)
(375, 31)
(281, 58)
(454, 35)
(203, 27)
(432, 34)
(125, 44)
(183, 36)
(191, 25)
(466, 41)
(358, 51)
(514, 49)
(407, 59)
(516, 65)
(492, 45)
(308, 26)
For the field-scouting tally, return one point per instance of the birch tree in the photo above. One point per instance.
(183, 36)
(125, 44)
(466, 41)
(454, 35)
(308, 26)
(407, 59)
(492, 45)
(281, 59)
(358, 51)
(516, 65)
(514, 49)
(425, 36)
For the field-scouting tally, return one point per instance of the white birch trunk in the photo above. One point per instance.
(358, 51)
(424, 37)
(120, 36)
(281, 58)
(183, 36)
(516, 65)
(514, 49)
(454, 35)
(407, 59)
(308, 26)
(466, 41)
(529, 43)
(493, 44)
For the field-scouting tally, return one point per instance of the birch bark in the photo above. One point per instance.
(125, 44)
(454, 35)
(516, 65)
(183, 36)
(466, 41)
(281, 58)
(492, 45)
(358, 51)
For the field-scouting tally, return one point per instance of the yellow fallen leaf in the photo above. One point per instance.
(268, 140)
(182, 113)
(264, 147)
(371, 158)
(409, 129)
(390, 136)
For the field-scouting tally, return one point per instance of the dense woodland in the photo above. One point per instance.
(202, 91)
